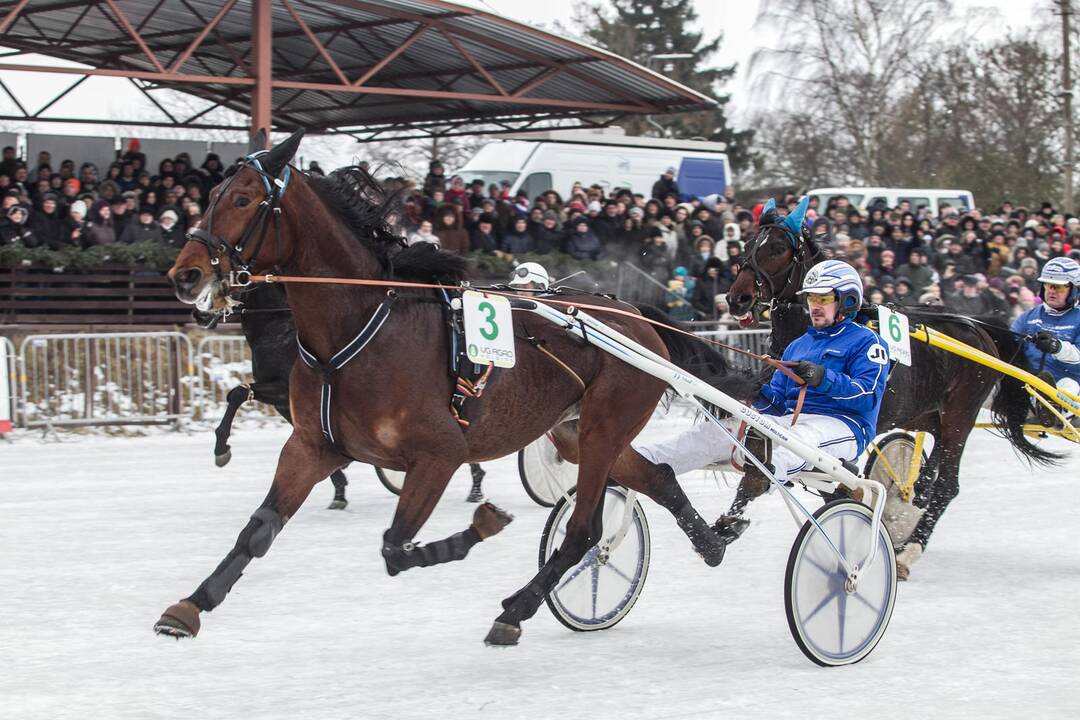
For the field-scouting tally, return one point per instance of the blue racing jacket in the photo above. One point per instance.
(856, 369)
(1066, 327)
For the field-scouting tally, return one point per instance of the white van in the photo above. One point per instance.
(867, 197)
(556, 159)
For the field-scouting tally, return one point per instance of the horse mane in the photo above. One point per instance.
(364, 206)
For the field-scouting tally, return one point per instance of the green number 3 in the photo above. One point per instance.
(490, 320)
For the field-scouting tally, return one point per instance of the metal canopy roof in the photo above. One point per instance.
(369, 68)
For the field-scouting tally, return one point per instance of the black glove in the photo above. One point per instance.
(1047, 342)
(812, 373)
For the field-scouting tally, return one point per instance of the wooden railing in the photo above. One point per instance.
(113, 295)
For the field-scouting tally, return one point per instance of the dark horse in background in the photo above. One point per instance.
(268, 328)
(266, 321)
(940, 393)
(386, 405)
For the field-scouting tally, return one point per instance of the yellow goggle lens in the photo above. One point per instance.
(812, 299)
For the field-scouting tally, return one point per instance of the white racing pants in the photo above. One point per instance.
(705, 444)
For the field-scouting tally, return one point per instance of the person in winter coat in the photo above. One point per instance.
(424, 234)
(517, 239)
(483, 235)
(171, 232)
(666, 185)
(145, 228)
(653, 256)
(75, 223)
(100, 230)
(13, 228)
(712, 283)
(453, 237)
(582, 243)
(704, 250)
(458, 194)
(436, 179)
(550, 235)
(49, 228)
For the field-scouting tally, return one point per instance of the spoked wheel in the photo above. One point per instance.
(544, 474)
(834, 621)
(601, 589)
(392, 480)
(890, 468)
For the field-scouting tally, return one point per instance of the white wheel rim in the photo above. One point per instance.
(597, 594)
(837, 626)
(546, 473)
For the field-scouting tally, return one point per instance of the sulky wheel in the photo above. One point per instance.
(544, 474)
(834, 621)
(392, 480)
(603, 587)
(901, 516)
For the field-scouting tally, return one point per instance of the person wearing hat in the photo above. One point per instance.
(549, 235)
(917, 272)
(214, 170)
(483, 235)
(477, 195)
(969, 300)
(530, 276)
(844, 366)
(666, 185)
(517, 240)
(171, 232)
(712, 282)
(1053, 330)
(75, 222)
(582, 243)
(436, 178)
(904, 293)
(145, 228)
(14, 230)
(99, 229)
(679, 291)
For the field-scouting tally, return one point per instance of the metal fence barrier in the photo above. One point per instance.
(755, 340)
(106, 379)
(9, 384)
(223, 362)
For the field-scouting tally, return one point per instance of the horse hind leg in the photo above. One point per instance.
(340, 502)
(658, 483)
(942, 492)
(476, 492)
(300, 467)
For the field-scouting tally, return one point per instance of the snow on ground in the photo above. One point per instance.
(98, 535)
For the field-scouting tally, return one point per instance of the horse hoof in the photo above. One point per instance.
(502, 635)
(337, 504)
(179, 621)
(223, 459)
(490, 520)
(714, 556)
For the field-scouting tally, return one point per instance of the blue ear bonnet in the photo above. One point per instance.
(792, 224)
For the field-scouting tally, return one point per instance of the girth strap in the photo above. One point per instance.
(342, 358)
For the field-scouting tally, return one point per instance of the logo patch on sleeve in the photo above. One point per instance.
(877, 354)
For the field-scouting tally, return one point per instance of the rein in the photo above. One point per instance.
(782, 366)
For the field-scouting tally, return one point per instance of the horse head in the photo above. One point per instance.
(242, 232)
(776, 260)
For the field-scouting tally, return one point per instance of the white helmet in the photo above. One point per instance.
(839, 277)
(530, 272)
(1061, 271)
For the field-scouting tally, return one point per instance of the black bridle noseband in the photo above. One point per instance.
(267, 214)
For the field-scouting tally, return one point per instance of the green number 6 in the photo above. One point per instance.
(490, 320)
(894, 328)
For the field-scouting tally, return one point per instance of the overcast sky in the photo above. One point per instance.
(111, 97)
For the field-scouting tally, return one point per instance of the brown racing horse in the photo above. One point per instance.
(372, 385)
(940, 393)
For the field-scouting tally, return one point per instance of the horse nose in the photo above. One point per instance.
(186, 280)
(740, 303)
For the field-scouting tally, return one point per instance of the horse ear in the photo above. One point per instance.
(770, 205)
(280, 155)
(794, 219)
(258, 141)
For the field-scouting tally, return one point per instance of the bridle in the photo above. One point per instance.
(268, 213)
(761, 278)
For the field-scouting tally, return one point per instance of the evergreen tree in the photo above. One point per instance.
(639, 29)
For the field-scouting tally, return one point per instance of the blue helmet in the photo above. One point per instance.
(838, 277)
(1062, 271)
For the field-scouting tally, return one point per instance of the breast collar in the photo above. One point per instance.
(268, 214)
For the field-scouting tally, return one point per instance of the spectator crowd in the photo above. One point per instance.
(689, 248)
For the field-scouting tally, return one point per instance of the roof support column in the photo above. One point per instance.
(262, 37)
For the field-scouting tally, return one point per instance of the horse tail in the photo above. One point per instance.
(699, 358)
(1012, 403)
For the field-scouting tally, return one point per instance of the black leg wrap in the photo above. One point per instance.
(706, 541)
(340, 482)
(254, 541)
(410, 555)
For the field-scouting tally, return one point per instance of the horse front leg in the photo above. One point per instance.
(301, 465)
(424, 484)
